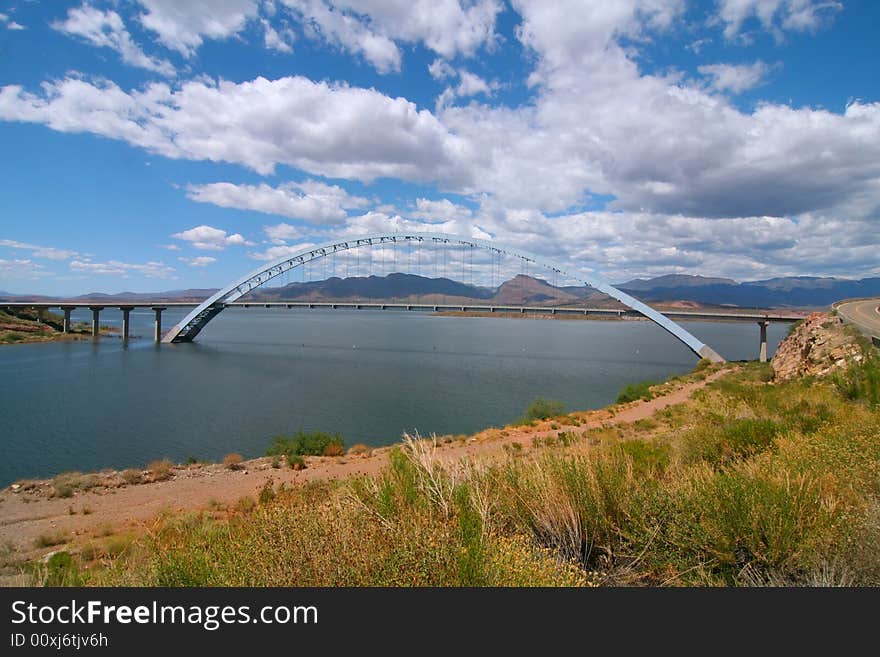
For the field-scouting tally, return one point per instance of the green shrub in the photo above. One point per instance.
(541, 409)
(702, 364)
(636, 391)
(67, 483)
(317, 443)
(861, 381)
(647, 457)
(734, 439)
(62, 570)
(748, 516)
(807, 417)
(296, 461)
(267, 492)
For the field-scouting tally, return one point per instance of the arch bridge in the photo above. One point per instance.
(190, 326)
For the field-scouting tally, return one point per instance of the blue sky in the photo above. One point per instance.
(153, 145)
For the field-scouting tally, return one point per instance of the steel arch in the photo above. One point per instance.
(194, 322)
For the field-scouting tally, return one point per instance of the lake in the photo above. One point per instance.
(369, 375)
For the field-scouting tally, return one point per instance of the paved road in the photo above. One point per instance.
(863, 314)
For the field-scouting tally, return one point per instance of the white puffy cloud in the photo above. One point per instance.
(327, 129)
(208, 238)
(279, 251)
(571, 34)
(442, 210)
(734, 78)
(48, 252)
(325, 22)
(310, 200)
(469, 84)
(11, 24)
(375, 222)
(600, 126)
(372, 28)
(776, 15)
(440, 69)
(273, 39)
(198, 261)
(279, 233)
(105, 29)
(118, 268)
(183, 26)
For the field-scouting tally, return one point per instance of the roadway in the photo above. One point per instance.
(864, 314)
(707, 315)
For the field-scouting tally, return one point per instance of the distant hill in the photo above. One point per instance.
(195, 294)
(674, 280)
(520, 290)
(791, 292)
(392, 286)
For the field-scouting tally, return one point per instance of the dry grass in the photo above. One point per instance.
(233, 461)
(160, 470)
(132, 476)
(67, 483)
(51, 539)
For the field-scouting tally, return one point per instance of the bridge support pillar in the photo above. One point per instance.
(96, 317)
(157, 325)
(125, 324)
(66, 326)
(762, 354)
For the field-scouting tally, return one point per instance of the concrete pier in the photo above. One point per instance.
(157, 323)
(67, 310)
(762, 355)
(96, 316)
(125, 324)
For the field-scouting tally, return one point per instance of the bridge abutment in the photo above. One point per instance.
(710, 354)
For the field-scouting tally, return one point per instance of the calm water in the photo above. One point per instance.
(368, 375)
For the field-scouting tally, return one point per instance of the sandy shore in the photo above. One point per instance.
(29, 512)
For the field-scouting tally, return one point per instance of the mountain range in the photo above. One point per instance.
(791, 292)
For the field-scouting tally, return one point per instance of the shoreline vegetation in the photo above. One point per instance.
(725, 476)
(27, 326)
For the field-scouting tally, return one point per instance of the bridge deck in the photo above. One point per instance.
(707, 315)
